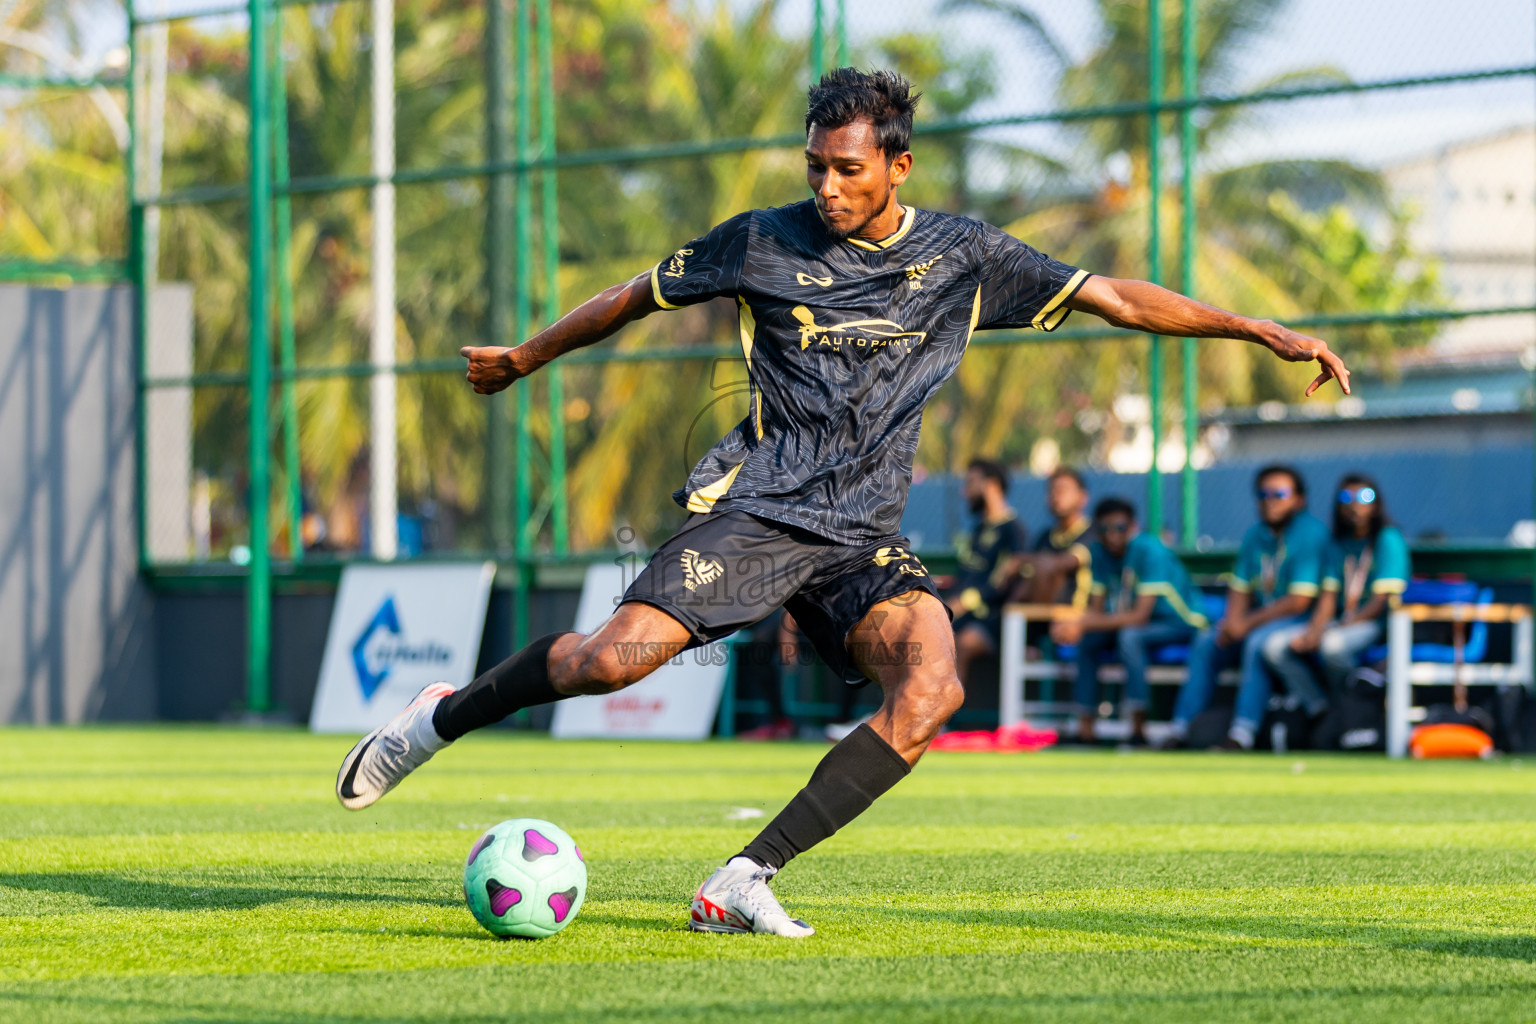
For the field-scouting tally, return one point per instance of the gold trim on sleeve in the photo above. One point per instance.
(1053, 312)
(656, 289)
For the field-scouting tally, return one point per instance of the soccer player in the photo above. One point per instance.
(988, 565)
(854, 310)
(1062, 563)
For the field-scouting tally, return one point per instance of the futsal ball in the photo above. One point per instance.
(525, 878)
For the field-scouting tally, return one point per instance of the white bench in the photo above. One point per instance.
(1016, 669)
(1403, 673)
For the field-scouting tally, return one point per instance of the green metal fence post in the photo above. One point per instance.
(842, 33)
(1189, 508)
(258, 640)
(1154, 251)
(498, 495)
(521, 314)
(818, 58)
(550, 217)
(292, 468)
(136, 250)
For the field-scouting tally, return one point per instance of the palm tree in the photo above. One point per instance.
(1278, 238)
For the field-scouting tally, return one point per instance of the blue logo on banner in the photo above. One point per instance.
(382, 645)
(386, 619)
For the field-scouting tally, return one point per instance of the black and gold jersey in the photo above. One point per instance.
(985, 561)
(1071, 539)
(845, 342)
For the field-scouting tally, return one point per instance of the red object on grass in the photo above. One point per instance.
(1010, 739)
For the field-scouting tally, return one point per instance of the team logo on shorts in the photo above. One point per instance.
(700, 570)
(897, 553)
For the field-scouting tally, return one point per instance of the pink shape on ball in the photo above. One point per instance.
(479, 847)
(503, 899)
(561, 903)
(536, 845)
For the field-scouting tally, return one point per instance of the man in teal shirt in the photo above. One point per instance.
(1368, 570)
(1141, 597)
(1278, 576)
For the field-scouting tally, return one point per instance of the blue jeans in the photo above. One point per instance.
(1295, 670)
(1131, 645)
(1206, 659)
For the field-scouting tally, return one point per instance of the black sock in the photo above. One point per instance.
(850, 778)
(521, 681)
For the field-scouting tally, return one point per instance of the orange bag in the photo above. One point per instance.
(1450, 739)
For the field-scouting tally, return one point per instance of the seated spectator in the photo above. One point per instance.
(1277, 578)
(1368, 571)
(1058, 569)
(988, 565)
(1141, 598)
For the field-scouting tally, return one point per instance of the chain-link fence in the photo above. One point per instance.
(1366, 172)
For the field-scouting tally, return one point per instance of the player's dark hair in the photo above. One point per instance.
(1070, 474)
(990, 470)
(1379, 520)
(884, 97)
(1114, 506)
(1298, 482)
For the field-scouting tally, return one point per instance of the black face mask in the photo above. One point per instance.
(978, 504)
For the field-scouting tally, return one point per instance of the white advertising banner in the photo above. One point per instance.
(394, 629)
(676, 702)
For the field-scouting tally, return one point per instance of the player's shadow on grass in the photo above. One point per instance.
(1230, 929)
(141, 894)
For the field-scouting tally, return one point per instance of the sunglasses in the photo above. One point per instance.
(1273, 493)
(1115, 528)
(1365, 496)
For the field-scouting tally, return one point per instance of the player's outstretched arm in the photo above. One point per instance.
(493, 368)
(1142, 306)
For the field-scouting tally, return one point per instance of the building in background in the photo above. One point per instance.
(1475, 206)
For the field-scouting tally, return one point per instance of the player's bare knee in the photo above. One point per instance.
(951, 694)
(933, 695)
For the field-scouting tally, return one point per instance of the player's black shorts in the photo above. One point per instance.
(723, 571)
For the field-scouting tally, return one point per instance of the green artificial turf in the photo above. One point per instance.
(208, 874)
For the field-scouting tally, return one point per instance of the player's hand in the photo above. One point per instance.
(1302, 348)
(493, 368)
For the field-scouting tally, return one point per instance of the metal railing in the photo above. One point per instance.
(515, 155)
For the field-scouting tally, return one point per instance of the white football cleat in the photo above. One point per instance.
(737, 899)
(391, 752)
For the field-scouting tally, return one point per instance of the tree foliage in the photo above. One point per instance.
(1276, 238)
